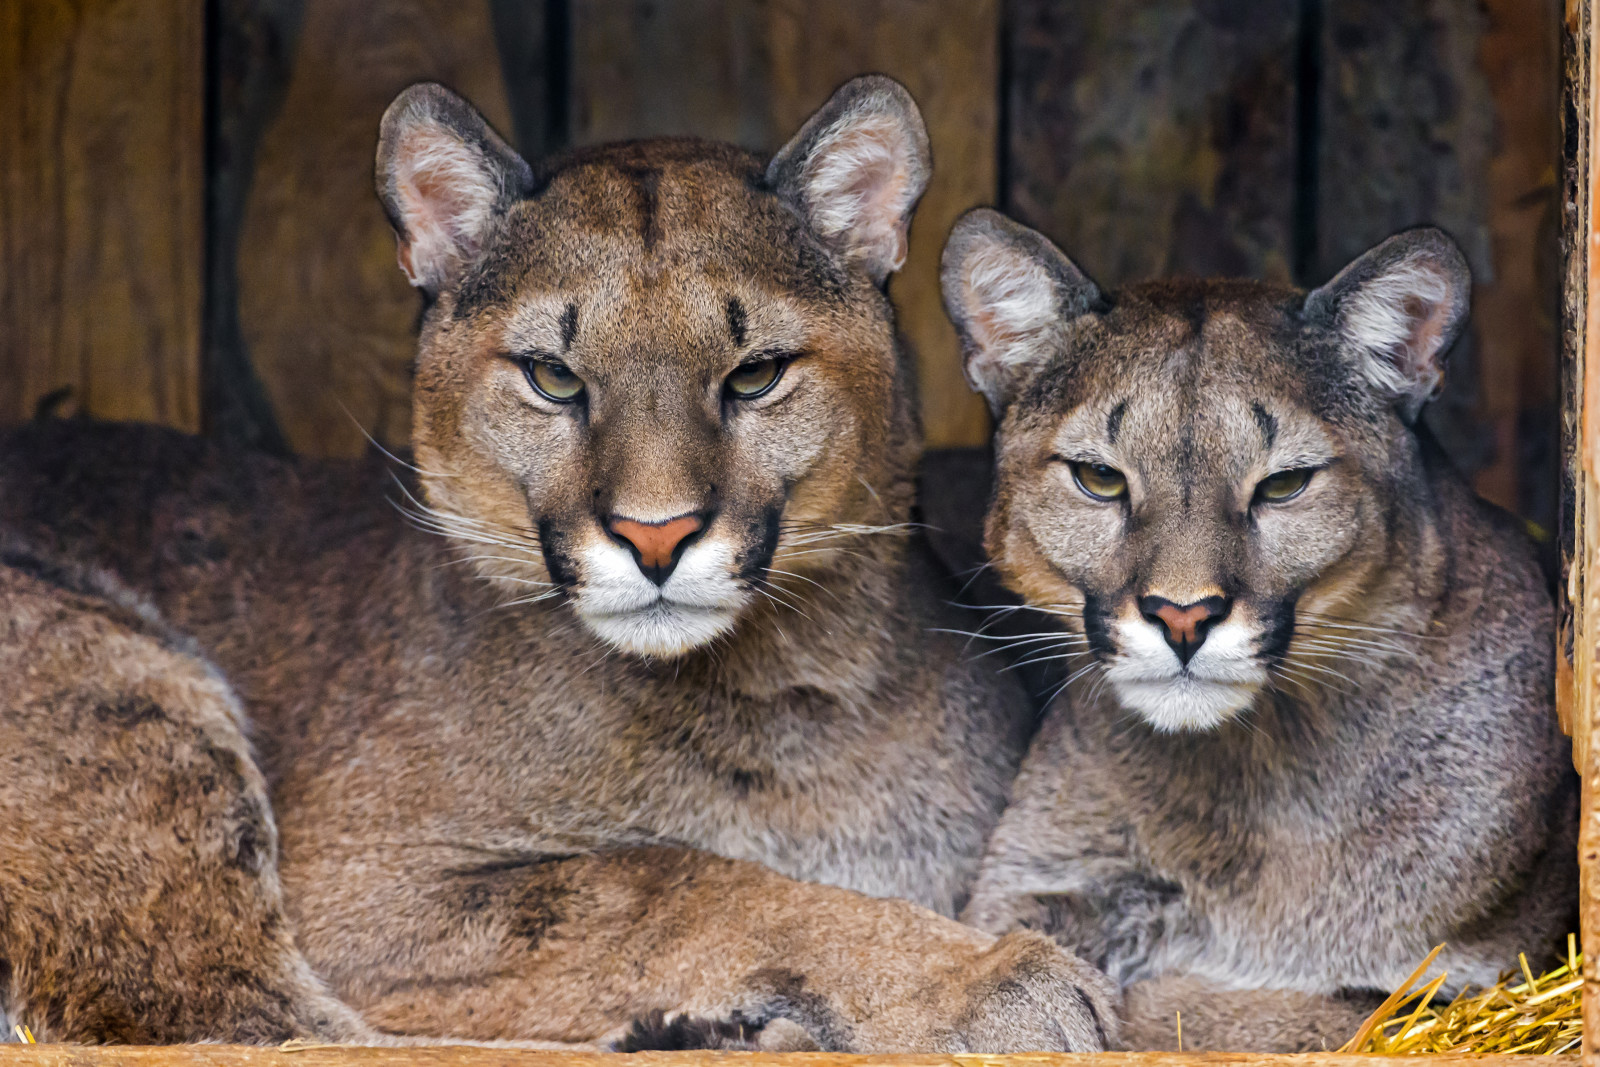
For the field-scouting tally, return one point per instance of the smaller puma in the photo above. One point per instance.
(1314, 734)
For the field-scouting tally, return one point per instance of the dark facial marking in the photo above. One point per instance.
(736, 321)
(758, 556)
(646, 187)
(1277, 629)
(569, 326)
(1097, 627)
(1114, 421)
(1186, 459)
(1268, 424)
(556, 560)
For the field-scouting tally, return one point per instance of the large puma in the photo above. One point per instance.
(1313, 735)
(654, 646)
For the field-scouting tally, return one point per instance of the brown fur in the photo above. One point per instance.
(511, 808)
(130, 795)
(1361, 760)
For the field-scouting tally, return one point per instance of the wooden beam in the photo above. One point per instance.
(1579, 536)
(456, 1056)
(101, 207)
(325, 315)
(1155, 137)
(757, 73)
(1515, 306)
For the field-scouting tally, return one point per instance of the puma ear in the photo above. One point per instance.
(1397, 310)
(444, 178)
(1009, 291)
(856, 170)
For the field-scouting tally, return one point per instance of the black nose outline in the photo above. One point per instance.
(658, 573)
(1215, 609)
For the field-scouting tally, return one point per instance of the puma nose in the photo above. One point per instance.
(1185, 625)
(656, 545)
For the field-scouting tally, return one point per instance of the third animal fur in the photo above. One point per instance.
(1309, 732)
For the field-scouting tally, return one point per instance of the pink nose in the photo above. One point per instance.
(1185, 625)
(656, 544)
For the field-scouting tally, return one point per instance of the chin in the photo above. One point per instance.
(1184, 703)
(662, 630)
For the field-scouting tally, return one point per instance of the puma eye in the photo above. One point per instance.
(1099, 481)
(553, 380)
(755, 379)
(1284, 485)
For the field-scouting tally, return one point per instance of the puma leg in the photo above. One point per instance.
(139, 896)
(580, 948)
(1254, 1020)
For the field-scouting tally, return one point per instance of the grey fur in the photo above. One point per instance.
(1399, 780)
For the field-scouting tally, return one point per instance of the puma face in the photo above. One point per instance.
(1204, 477)
(655, 374)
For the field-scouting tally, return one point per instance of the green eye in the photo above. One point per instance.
(755, 379)
(1284, 485)
(553, 380)
(1099, 481)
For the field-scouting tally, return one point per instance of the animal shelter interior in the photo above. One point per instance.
(190, 237)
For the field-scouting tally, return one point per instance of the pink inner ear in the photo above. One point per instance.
(1429, 319)
(445, 195)
(859, 188)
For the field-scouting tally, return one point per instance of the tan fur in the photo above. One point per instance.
(1361, 759)
(129, 797)
(523, 792)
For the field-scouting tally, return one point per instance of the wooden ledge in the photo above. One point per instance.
(464, 1056)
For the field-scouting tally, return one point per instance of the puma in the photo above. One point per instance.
(642, 713)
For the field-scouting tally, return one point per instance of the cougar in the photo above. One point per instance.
(1307, 733)
(641, 715)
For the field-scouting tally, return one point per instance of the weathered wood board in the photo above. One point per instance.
(1152, 137)
(1578, 654)
(101, 204)
(758, 70)
(325, 315)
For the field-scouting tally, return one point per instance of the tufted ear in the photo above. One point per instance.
(444, 178)
(856, 170)
(1397, 310)
(1008, 290)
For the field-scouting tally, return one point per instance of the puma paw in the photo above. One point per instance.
(1030, 995)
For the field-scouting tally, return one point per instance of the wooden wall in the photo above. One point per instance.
(189, 233)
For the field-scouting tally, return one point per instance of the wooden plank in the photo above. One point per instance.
(455, 1056)
(1576, 688)
(101, 202)
(324, 312)
(1407, 131)
(1153, 137)
(1516, 305)
(759, 70)
(948, 55)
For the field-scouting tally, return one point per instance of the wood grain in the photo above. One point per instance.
(1154, 137)
(759, 70)
(325, 314)
(1576, 685)
(101, 205)
(1516, 306)
(448, 1056)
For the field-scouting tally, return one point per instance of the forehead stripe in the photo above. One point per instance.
(1268, 424)
(736, 321)
(569, 326)
(1114, 421)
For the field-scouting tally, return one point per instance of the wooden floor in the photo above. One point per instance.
(336, 1056)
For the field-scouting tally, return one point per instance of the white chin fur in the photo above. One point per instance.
(1184, 702)
(1222, 679)
(699, 603)
(662, 630)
